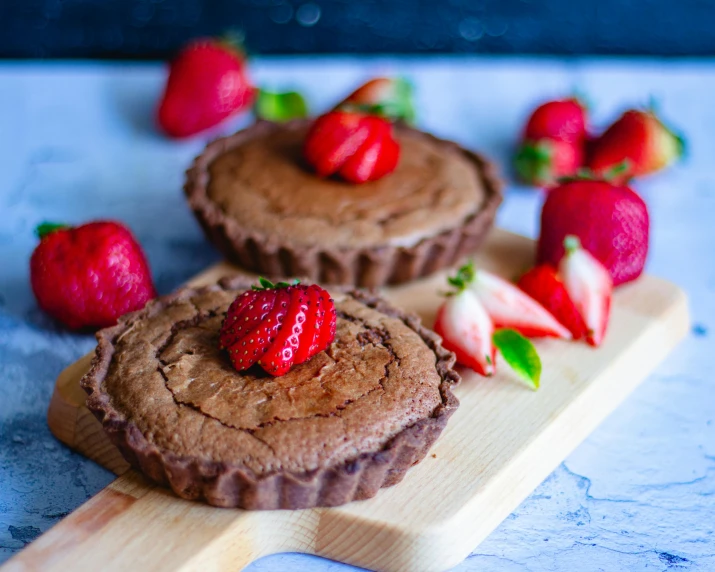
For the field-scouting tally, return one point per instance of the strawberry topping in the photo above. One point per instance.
(278, 326)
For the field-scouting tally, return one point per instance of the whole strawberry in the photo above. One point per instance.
(553, 142)
(278, 326)
(561, 120)
(641, 140)
(386, 96)
(88, 276)
(207, 83)
(611, 222)
(356, 146)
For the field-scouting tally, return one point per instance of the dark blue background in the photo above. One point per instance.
(154, 28)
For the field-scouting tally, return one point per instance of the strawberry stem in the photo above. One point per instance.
(45, 228)
(464, 277)
(266, 284)
(572, 243)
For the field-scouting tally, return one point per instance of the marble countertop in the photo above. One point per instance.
(77, 143)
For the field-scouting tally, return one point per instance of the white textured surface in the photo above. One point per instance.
(77, 142)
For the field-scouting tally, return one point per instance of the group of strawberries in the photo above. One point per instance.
(556, 143)
(594, 236)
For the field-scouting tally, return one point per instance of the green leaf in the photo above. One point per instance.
(280, 107)
(45, 228)
(520, 354)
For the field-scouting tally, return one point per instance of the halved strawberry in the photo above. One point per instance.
(466, 330)
(590, 287)
(510, 307)
(543, 284)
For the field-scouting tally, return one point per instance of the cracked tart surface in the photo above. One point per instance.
(336, 428)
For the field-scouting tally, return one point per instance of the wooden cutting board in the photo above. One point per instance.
(499, 445)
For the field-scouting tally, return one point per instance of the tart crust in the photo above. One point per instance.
(232, 485)
(370, 265)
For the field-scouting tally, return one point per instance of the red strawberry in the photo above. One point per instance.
(507, 306)
(387, 97)
(640, 139)
(611, 221)
(207, 83)
(466, 330)
(560, 120)
(543, 284)
(356, 146)
(88, 276)
(544, 161)
(553, 142)
(589, 286)
(278, 326)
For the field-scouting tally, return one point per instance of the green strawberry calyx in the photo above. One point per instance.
(609, 175)
(45, 228)
(280, 107)
(265, 284)
(520, 354)
(464, 277)
(533, 161)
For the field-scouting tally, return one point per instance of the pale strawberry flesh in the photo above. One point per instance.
(466, 330)
(590, 287)
(510, 307)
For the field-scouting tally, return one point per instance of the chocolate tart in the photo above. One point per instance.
(266, 211)
(334, 429)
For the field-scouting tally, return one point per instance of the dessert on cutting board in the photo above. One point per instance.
(279, 397)
(350, 198)
(287, 395)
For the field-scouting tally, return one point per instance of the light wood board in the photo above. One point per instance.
(499, 445)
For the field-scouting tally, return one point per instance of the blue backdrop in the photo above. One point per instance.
(154, 28)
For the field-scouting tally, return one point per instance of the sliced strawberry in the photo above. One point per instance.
(329, 325)
(308, 345)
(228, 335)
(278, 326)
(590, 287)
(359, 167)
(510, 307)
(466, 330)
(388, 158)
(543, 284)
(332, 139)
(260, 327)
(281, 355)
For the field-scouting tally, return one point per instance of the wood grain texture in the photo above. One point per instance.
(500, 444)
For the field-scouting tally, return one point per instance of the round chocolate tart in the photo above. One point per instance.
(265, 210)
(334, 429)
